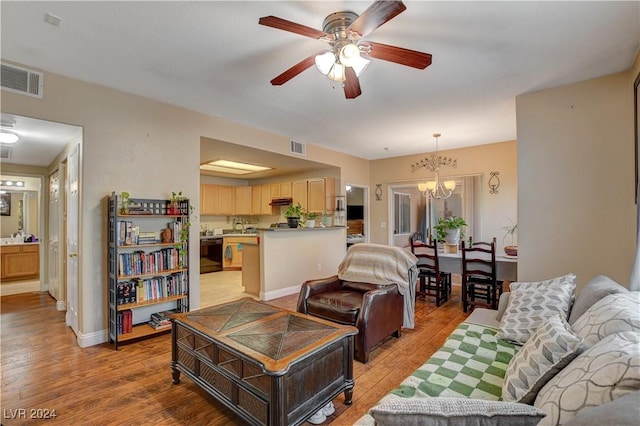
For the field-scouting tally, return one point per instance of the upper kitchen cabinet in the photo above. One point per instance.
(226, 200)
(281, 190)
(243, 200)
(320, 194)
(300, 193)
(209, 199)
(261, 199)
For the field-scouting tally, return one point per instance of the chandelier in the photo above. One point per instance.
(436, 189)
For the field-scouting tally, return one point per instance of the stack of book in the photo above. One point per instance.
(161, 320)
(148, 238)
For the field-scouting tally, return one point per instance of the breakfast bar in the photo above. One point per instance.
(283, 258)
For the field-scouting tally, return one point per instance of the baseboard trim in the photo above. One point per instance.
(61, 305)
(281, 292)
(92, 339)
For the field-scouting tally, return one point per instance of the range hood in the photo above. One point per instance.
(281, 201)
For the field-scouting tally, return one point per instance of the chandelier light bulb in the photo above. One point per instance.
(337, 72)
(349, 54)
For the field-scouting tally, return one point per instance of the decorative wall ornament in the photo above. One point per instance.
(378, 192)
(494, 182)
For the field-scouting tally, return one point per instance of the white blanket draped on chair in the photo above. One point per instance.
(382, 264)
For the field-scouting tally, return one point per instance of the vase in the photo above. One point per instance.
(452, 237)
(311, 223)
(293, 222)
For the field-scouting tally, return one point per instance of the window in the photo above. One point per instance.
(402, 209)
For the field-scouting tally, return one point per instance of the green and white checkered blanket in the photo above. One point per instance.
(471, 363)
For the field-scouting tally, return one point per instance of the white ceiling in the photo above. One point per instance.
(214, 58)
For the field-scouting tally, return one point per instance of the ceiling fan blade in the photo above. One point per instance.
(293, 27)
(377, 14)
(294, 70)
(351, 84)
(399, 55)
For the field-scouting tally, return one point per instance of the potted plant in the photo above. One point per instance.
(124, 202)
(450, 230)
(174, 204)
(293, 214)
(510, 230)
(310, 219)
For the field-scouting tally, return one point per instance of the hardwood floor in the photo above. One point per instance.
(44, 369)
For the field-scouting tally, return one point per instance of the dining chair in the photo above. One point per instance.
(479, 284)
(433, 282)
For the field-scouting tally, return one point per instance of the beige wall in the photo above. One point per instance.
(576, 180)
(496, 208)
(148, 149)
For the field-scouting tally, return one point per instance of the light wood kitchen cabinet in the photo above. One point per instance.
(261, 200)
(281, 190)
(285, 190)
(265, 206)
(321, 192)
(256, 199)
(209, 194)
(20, 261)
(299, 193)
(242, 200)
(232, 251)
(226, 200)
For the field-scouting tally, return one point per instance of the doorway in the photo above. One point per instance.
(357, 214)
(47, 146)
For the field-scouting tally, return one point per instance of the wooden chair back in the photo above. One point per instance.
(479, 261)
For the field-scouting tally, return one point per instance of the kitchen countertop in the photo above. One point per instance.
(317, 228)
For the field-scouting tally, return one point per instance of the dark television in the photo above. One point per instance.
(355, 212)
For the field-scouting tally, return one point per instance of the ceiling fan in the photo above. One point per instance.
(347, 57)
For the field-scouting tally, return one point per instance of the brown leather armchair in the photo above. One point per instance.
(376, 310)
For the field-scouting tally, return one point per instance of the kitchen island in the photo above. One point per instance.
(282, 259)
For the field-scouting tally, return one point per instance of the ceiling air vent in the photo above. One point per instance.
(298, 148)
(22, 80)
(5, 152)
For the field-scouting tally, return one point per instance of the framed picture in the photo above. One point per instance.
(636, 114)
(5, 204)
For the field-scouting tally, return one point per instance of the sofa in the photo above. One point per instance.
(545, 357)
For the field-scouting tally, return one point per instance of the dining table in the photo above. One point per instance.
(506, 266)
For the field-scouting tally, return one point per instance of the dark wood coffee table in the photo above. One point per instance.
(269, 365)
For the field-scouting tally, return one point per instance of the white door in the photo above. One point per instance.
(54, 232)
(72, 186)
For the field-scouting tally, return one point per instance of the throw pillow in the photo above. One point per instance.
(612, 314)
(607, 371)
(531, 303)
(548, 351)
(453, 411)
(596, 289)
(503, 302)
(624, 411)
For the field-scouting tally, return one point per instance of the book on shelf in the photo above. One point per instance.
(163, 317)
(157, 326)
(161, 320)
(125, 321)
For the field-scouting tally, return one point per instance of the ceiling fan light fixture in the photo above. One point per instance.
(359, 65)
(337, 72)
(7, 137)
(325, 61)
(349, 54)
